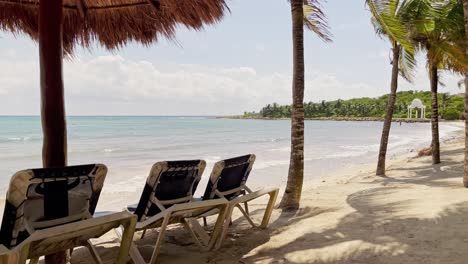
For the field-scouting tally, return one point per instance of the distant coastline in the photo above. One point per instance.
(362, 119)
(366, 109)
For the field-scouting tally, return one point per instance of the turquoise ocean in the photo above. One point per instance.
(129, 145)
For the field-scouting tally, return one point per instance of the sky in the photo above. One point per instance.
(240, 64)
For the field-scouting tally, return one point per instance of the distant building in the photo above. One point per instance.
(415, 105)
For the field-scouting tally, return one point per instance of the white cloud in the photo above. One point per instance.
(116, 85)
(379, 55)
(322, 86)
(260, 47)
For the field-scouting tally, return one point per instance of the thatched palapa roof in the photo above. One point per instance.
(113, 23)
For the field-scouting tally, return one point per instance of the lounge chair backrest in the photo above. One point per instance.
(43, 198)
(169, 183)
(228, 177)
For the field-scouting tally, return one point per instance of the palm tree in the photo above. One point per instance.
(465, 174)
(308, 13)
(436, 29)
(387, 21)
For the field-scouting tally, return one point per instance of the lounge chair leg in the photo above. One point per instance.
(126, 240)
(246, 205)
(93, 252)
(135, 255)
(143, 234)
(205, 223)
(246, 215)
(22, 256)
(269, 209)
(160, 239)
(225, 227)
(217, 234)
(133, 251)
(197, 232)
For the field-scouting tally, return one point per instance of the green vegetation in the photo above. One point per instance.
(451, 107)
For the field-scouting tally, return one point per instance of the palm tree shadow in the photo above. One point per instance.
(428, 175)
(242, 234)
(241, 239)
(378, 232)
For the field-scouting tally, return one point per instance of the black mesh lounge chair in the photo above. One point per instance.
(50, 210)
(168, 198)
(228, 180)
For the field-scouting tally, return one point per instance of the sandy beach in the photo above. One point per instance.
(414, 215)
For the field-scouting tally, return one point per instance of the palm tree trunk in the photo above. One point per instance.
(435, 114)
(389, 114)
(54, 149)
(292, 194)
(465, 175)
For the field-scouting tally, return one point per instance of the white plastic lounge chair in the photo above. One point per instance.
(228, 180)
(50, 210)
(167, 198)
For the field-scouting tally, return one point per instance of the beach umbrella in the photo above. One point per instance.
(111, 23)
(61, 25)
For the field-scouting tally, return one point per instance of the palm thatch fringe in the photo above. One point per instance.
(113, 23)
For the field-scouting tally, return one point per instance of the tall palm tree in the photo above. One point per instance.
(436, 29)
(465, 174)
(304, 13)
(388, 23)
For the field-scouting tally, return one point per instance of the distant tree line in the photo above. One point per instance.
(451, 107)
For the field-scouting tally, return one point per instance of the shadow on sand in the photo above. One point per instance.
(374, 232)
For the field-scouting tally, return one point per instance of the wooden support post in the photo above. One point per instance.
(54, 150)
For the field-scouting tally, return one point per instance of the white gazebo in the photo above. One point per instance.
(417, 104)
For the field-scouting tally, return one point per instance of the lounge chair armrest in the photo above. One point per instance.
(198, 205)
(3, 250)
(117, 219)
(254, 195)
(192, 206)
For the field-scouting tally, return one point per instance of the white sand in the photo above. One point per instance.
(418, 214)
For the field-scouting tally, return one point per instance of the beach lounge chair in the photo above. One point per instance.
(5, 256)
(167, 198)
(228, 180)
(51, 210)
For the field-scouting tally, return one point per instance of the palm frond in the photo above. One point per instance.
(407, 65)
(387, 21)
(437, 26)
(316, 20)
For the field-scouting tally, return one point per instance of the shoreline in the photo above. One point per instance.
(348, 174)
(361, 218)
(348, 216)
(360, 119)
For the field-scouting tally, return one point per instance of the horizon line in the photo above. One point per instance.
(123, 115)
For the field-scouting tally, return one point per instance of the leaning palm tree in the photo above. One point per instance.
(388, 23)
(437, 29)
(304, 13)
